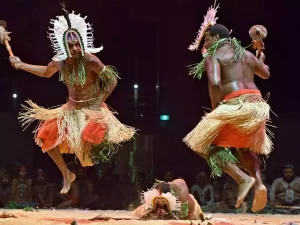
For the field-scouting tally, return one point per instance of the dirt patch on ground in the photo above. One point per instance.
(63, 217)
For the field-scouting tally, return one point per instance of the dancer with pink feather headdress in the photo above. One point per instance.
(234, 132)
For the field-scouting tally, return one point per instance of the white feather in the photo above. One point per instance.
(173, 201)
(60, 26)
(148, 196)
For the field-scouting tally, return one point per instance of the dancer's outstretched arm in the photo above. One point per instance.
(41, 71)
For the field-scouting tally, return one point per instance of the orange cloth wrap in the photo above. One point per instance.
(48, 134)
(76, 130)
(228, 136)
(93, 133)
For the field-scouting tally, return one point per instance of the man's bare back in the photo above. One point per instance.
(232, 76)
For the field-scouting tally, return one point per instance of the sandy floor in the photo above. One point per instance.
(62, 217)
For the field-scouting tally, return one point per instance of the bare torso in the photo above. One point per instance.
(90, 90)
(234, 76)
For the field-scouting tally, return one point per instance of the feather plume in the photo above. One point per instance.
(61, 25)
(210, 19)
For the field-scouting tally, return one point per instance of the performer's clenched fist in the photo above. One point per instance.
(262, 56)
(15, 61)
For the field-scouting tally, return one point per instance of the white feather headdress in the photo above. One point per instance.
(210, 19)
(61, 28)
(148, 199)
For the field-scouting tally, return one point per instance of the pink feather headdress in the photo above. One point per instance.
(210, 19)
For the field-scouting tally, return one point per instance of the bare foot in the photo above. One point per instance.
(260, 198)
(67, 182)
(244, 188)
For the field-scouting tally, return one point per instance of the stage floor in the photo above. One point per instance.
(62, 217)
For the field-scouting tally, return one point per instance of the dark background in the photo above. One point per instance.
(147, 41)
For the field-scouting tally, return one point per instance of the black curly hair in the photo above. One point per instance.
(218, 29)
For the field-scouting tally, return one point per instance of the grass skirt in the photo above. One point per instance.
(238, 122)
(77, 131)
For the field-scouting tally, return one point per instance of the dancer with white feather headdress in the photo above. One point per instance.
(84, 126)
(169, 200)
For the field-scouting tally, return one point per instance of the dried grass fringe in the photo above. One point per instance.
(75, 121)
(246, 114)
